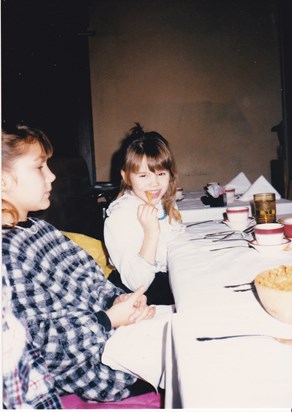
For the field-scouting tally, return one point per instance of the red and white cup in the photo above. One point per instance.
(269, 233)
(179, 193)
(230, 194)
(287, 227)
(237, 214)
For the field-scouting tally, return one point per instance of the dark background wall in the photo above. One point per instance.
(46, 84)
(285, 130)
(45, 72)
(207, 74)
(204, 73)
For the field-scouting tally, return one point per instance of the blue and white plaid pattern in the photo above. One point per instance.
(26, 381)
(29, 385)
(57, 289)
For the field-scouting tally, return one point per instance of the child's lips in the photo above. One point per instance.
(152, 195)
(149, 197)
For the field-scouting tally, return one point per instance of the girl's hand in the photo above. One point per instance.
(130, 308)
(147, 216)
(147, 313)
(140, 303)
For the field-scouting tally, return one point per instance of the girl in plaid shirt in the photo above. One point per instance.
(26, 381)
(58, 290)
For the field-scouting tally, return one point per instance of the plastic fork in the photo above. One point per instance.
(286, 341)
(203, 221)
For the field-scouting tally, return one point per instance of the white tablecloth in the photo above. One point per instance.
(139, 349)
(235, 373)
(192, 209)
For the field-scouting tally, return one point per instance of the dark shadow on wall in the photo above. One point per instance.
(73, 205)
(118, 158)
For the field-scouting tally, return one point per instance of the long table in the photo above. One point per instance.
(233, 373)
(192, 209)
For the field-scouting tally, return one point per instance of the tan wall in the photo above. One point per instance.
(203, 73)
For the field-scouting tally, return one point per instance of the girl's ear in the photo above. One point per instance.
(125, 180)
(6, 182)
(123, 174)
(3, 184)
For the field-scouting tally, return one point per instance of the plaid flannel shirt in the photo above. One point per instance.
(26, 381)
(60, 292)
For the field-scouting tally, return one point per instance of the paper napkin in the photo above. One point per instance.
(261, 185)
(137, 348)
(240, 183)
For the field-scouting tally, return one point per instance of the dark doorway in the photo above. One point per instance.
(45, 72)
(285, 31)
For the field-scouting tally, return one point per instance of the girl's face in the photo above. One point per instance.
(144, 181)
(29, 183)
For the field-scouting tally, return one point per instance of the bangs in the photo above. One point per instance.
(46, 147)
(42, 140)
(158, 156)
(159, 163)
(17, 142)
(21, 138)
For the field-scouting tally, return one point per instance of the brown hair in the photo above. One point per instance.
(14, 144)
(159, 157)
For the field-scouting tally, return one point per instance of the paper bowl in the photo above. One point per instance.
(274, 289)
(269, 233)
(287, 222)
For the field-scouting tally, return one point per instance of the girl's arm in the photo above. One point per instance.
(130, 308)
(124, 240)
(147, 216)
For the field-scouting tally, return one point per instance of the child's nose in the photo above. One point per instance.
(154, 179)
(51, 177)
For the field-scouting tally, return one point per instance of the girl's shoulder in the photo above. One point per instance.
(124, 205)
(34, 231)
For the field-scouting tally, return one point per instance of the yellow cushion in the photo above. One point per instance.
(93, 247)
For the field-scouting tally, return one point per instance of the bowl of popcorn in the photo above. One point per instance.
(274, 289)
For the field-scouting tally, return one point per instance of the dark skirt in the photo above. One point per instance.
(140, 387)
(158, 293)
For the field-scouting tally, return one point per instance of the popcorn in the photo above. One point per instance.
(279, 278)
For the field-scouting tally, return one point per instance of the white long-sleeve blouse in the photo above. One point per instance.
(123, 235)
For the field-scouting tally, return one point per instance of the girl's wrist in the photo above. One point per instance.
(152, 233)
(104, 320)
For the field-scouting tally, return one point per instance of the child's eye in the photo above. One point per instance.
(41, 166)
(142, 175)
(162, 173)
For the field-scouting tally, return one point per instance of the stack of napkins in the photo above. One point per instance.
(243, 187)
(261, 185)
(240, 183)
